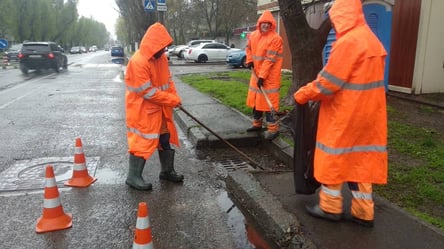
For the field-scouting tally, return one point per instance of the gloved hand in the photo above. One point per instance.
(250, 65)
(260, 83)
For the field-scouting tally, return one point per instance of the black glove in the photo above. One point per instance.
(250, 65)
(260, 82)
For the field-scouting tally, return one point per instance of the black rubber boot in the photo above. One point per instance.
(270, 135)
(316, 211)
(134, 178)
(167, 166)
(254, 128)
(365, 223)
(272, 131)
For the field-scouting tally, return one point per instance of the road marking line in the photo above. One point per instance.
(19, 86)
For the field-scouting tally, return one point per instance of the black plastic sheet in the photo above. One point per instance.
(306, 123)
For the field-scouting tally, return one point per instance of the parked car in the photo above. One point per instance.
(12, 52)
(196, 42)
(208, 52)
(75, 50)
(179, 50)
(83, 49)
(236, 59)
(42, 55)
(117, 51)
(167, 53)
(93, 48)
(170, 50)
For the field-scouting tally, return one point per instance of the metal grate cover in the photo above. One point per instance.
(30, 174)
(232, 163)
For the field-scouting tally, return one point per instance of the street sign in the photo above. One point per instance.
(149, 5)
(3, 43)
(161, 8)
(161, 2)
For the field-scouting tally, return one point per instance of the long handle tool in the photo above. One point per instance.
(251, 161)
(273, 111)
(278, 116)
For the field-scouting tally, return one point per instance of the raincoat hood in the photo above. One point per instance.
(155, 39)
(266, 17)
(346, 15)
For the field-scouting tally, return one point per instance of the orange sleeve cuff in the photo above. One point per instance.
(299, 97)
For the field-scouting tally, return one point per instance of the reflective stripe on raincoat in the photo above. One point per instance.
(265, 50)
(150, 94)
(351, 142)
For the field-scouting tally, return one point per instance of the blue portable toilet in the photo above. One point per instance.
(379, 19)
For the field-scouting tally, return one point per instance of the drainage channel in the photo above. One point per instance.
(247, 234)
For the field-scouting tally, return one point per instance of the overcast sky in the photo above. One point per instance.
(103, 11)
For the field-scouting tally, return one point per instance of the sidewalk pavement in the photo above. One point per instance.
(270, 200)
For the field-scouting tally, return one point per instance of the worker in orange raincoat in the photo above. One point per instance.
(149, 100)
(351, 141)
(264, 57)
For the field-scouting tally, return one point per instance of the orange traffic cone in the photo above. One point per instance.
(54, 218)
(142, 237)
(80, 176)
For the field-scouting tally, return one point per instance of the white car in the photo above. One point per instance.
(208, 52)
(196, 42)
(179, 50)
(167, 53)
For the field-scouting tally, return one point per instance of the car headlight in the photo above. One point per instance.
(235, 55)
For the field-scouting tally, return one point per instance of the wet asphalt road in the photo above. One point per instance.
(42, 114)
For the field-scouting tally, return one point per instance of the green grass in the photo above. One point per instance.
(416, 180)
(416, 174)
(228, 90)
(230, 87)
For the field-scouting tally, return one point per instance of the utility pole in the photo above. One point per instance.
(161, 9)
(160, 17)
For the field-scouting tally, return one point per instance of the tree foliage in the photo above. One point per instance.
(135, 21)
(6, 17)
(49, 20)
(186, 20)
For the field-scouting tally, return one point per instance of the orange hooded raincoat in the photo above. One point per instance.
(351, 141)
(150, 94)
(265, 51)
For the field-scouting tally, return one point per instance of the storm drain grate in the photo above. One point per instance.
(231, 163)
(30, 174)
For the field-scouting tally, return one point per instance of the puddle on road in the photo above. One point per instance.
(109, 176)
(244, 232)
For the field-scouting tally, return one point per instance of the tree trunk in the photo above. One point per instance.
(306, 46)
(305, 43)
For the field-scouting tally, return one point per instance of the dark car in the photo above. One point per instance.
(117, 51)
(42, 55)
(236, 59)
(12, 52)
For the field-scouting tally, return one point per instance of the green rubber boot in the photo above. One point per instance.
(134, 178)
(167, 166)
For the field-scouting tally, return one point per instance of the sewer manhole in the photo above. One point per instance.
(30, 174)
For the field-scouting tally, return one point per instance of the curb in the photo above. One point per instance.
(202, 138)
(276, 224)
(266, 211)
